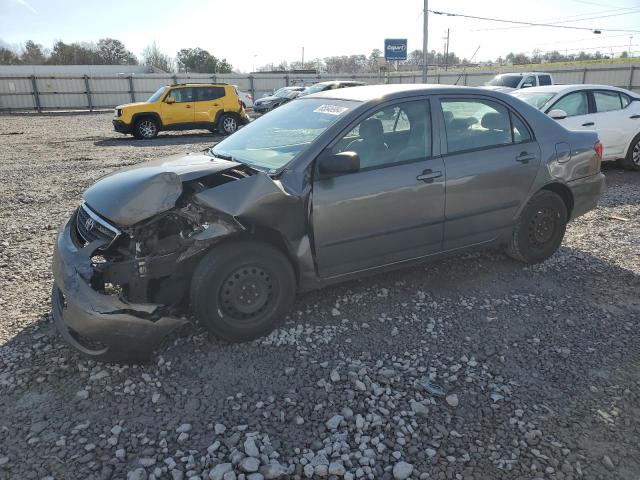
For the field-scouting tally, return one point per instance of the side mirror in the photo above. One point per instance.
(558, 114)
(338, 163)
(170, 100)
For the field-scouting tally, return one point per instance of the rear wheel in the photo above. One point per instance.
(241, 290)
(145, 128)
(228, 124)
(632, 160)
(540, 228)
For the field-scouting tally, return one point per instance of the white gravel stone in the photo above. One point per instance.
(219, 428)
(250, 464)
(250, 447)
(452, 400)
(402, 470)
(334, 422)
(217, 472)
(184, 428)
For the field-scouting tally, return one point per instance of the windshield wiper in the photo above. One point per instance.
(222, 155)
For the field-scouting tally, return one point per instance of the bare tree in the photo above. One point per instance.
(153, 57)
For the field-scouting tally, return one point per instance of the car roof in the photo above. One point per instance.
(220, 84)
(370, 92)
(555, 89)
(522, 74)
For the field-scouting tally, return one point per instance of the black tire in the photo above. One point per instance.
(540, 228)
(228, 124)
(241, 290)
(632, 160)
(146, 128)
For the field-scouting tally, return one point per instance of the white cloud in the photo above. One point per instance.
(26, 5)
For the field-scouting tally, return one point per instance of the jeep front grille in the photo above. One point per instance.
(91, 227)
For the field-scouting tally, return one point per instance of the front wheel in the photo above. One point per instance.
(241, 290)
(540, 228)
(632, 160)
(228, 124)
(145, 128)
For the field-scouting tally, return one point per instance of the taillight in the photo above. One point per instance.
(598, 148)
(250, 97)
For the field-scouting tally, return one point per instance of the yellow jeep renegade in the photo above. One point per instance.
(183, 107)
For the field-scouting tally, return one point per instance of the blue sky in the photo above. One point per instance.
(257, 32)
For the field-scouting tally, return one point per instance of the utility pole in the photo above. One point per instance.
(425, 38)
(302, 65)
(446, 54)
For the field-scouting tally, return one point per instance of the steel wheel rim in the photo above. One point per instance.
(542, 227)
(147, 128)
(635, 155)
(246, 293)
(229, 124)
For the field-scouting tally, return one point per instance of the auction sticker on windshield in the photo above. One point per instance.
(330, 109)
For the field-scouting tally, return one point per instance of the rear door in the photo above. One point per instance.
(491, 161)
(181, 110)
(208, 102)
(617, 121)
(393, 208)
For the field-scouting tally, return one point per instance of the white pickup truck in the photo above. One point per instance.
(506, 82)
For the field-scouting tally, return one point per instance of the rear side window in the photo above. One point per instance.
(544, 80)
(476, 124)
(625, 99)
(573, 104)
(209, 93)
(607, 101)
(530, 81)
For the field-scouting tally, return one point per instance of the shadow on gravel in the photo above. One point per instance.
(160, 140)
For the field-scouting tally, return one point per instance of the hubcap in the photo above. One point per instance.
(246, 293)
(542, 227)
(635, 155)
(147, 128)
(229, 124)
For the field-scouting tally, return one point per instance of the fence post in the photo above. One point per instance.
(252, 87)
(175, 79)
(87, 90)
(286, 80)
(36, 94)
(630, 77)
(584, 75)
(465, 79)
(132, 92)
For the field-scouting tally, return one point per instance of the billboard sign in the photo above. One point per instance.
(395, 49)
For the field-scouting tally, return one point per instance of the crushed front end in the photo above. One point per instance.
(103, 299)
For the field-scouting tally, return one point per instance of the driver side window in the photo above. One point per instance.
(394, 134)
(181, 95)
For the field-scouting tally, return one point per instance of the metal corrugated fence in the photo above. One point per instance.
(64, 92)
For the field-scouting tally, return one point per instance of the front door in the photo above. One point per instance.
(392, 209)
(491, 162)
(617, 121)
(208, 101)
(576, 106)
(181, 110)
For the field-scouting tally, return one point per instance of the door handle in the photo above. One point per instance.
(588, 124)
(428, 176)
(187, 106)
(216, 104)
(634, 116)
(524, 157)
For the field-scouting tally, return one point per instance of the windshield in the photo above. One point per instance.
(271, 141)
(318, 87)
(535, 99)
(510, 81)
(282, 93)
(157, 95)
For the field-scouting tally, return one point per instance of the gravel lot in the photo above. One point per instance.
(539, 365)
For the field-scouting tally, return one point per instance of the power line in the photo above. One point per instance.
(554, 24)
(531, 24)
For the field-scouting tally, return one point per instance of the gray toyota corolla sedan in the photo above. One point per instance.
(332, 186)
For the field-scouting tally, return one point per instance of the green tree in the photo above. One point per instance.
(74, 54)
(32, 54)
(201, 61)
(113, 52)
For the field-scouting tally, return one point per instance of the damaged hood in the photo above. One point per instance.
(139, 192)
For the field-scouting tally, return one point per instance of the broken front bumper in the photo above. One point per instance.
(100, 326)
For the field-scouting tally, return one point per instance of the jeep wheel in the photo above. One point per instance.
(145, 128)
(241, 290)
(228, 124)
(540, 228)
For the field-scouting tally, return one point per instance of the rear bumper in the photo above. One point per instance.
(98, 325)
(586, 193)
(120, 126)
